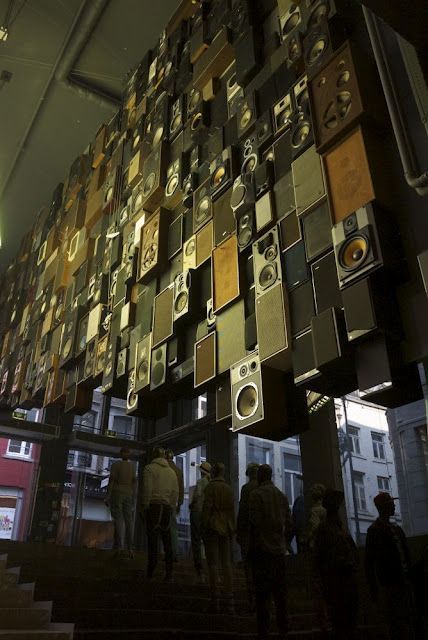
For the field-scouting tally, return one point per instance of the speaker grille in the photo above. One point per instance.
(205, 359)
(225, 273)
(230, 336)
(271, 322)
(163, 315)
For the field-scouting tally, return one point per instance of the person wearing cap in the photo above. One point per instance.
(160, 494)
(336, 559)
(120, 499)
(387, 563)
(270, 522)
(195, 508)
(243, 527)
(180, 479)
(218, 525)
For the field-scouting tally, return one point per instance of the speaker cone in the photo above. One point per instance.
(238, 195)
(175, 123)
(247, 401)
(268, 275)
(320, 11)
(300, 133)
(218, 175)
(195, 97)
(158, 373)
(354, 252)
(249, 163)
(202, 208)
(317, 50)
(142, 370)
(149, 183)
(158, 135)
(190, 247)
(245, 236)
(181, 302)
(67, 348)
(172, 185)
(109, 194)
(245, 119)
(292, 21)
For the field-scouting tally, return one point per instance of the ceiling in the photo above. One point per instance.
(43, 124)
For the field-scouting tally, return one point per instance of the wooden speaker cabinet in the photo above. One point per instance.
(225, 273)
(153, 246)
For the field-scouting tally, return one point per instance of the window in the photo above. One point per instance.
(378, 446)
(19, 448)
(258, 453)
(354, 440)
(383, 484)
(84, 459)
(293, 482)
(124, 426)
(360, 492)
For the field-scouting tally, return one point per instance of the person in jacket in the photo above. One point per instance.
(195, 508)
(336, 558)
(218, 524)
(160, 494)
(387, 563)
(120, 499)
(243, 528)
(271, 525)
(175, 512)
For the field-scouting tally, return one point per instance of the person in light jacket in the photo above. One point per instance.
(160, 494)
(120, 500)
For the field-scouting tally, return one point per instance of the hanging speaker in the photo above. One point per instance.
(326, 285)
(163, 315)
(317, 231)
(267, 262)
(158, 367)
(143, 363)
(202, 206)
(205, 359)
(359, 241)
(246, 229)
(346, 92)
(225, 273)
(308, 180)
(223, 218)
(246, 113)
(153, 247)
(282, 114)
(154, 177)
(242, 197)
(273, 327)
(223, 400)
(222, 171)
(101, 358)
(182, 305)
(174, 178)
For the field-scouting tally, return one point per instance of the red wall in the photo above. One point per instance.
(20, 473)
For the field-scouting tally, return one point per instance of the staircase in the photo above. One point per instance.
(21, 617)
(110, 599)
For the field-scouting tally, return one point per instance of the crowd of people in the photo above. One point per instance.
(264, 529)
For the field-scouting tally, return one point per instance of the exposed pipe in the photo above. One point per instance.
(415, 180)
(88, 16)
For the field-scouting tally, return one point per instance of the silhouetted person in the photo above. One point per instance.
(317, 516)
(195, 508)
(336, 558)
(243, 527)
(160, 493)
(298, 514)
(387, 569)
(178, 472)
(218, 524)
(120, 499)
(270, 528)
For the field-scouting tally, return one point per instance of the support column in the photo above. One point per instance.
(52, 474)
(220, 449)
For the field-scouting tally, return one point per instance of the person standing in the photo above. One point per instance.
(336, 559)
(218, 524)
(387, 564)
(270, 522)
(160, 494)
(243, 528)
(175, 512)
(195, 508)
(120, 499)
(317, 516)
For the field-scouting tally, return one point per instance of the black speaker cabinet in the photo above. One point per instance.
(302, 307)
(346, 92)
(331, 350)
(174, 179)
(223, 400)
(246, 113)
(246, 229)
(224, 220)
(319, 43)
(282, 114)
(202, 206)
(423, 266)
(267, 262)
(163, 315)
(249, 154)
(153, 246)
(243, 196)
(382, 377)
(363, 242)
(302, 134)
(304, 367)
(264, 178)
(317, 231)
(326, 285)
(175, 236)
(142, 363)
(205, 359)
(295, 265)
(259, 404)
(109, 373)
(158, 369)
(273, 327)
(72, 321)
(134, 402)
(222, 171)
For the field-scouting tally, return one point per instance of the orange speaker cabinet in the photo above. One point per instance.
(225, 273)
(358, 171)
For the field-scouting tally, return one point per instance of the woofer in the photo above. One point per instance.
(142, 370)
(268, 275)
(181, 302)
(300, 133)
(149, 183)
(247, 401)
(354, 252)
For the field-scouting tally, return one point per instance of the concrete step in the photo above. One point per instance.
(38, 616)
(20, 596)
(148, 619)
(53, 631)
